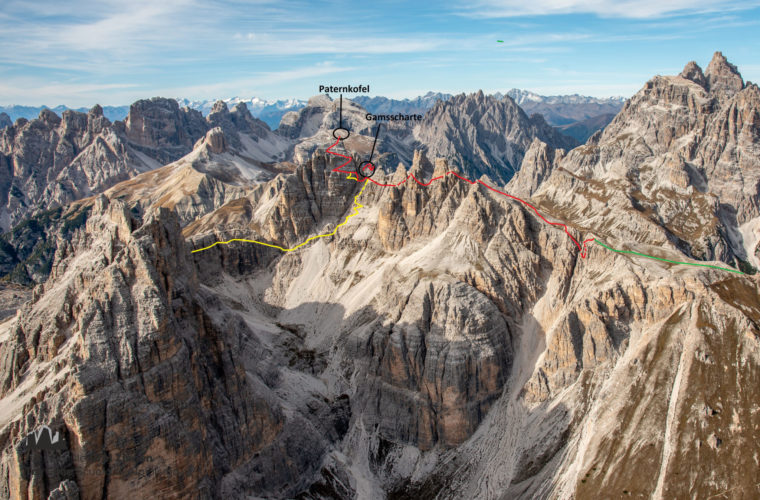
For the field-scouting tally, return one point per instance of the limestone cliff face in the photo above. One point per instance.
(539, 162)
(163, 130)
(482, 357)
(722, 77)
(684, 153)
(50, 161)
(482, 135)
(130, 364)
(433, 373)
(238, 121)
(288, 209)
(429, 341)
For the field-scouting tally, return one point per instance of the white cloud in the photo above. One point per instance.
(33, 91)
(120, 35)
(36, 91)
(134, 23)
(101, 35)
(254, 84)
(635, 9)
(79, 52)
(308, 42)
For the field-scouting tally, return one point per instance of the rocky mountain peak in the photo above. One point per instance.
(723, 77)
(147, 118)
(140, 266)
(399, 174)
(421, 167)
(246, 122)
(153, 105)
(441, 167)
(219, 107)
(5, 120)
(693, 72)
(74, 123)
(679, 147)
(242, 110)
(160, 129)
(321, 100)
(96, 110)
(215, 141)
(49, 118)
(481, 134)
(96, 120)
(537, 165)
(227, 123)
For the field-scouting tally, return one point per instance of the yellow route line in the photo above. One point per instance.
(356, 208)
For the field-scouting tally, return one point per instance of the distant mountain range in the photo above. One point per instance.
(558, 111)
(270, 112)
(498, 314)
(16, 111)
(384, 105)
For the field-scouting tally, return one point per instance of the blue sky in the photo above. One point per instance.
(79, 53)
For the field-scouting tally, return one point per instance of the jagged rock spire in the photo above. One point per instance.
(723, 77)
(693, 72)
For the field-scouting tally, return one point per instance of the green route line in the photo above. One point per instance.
(357, 206)
(669, 261)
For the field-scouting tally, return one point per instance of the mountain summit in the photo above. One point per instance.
(226, 327)
(484, 135)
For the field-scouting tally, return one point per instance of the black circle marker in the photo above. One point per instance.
(366, 170)
(344, 130)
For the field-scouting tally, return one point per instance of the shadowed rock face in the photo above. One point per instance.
(484, 136)
(50, 161)
(693, 72)
(539, 162)
(723, 79)
(433, 375)
(5, 120)
(160, 127)
(684, 152)
(143, 382)
(443, 342)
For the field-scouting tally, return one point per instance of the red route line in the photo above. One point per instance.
(348, 159)
(582, 247)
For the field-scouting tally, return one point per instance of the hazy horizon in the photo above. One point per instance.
(111, 53)
(247, 98)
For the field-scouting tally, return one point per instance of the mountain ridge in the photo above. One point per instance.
(271, 110)
(564, 110)
(444, 342)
